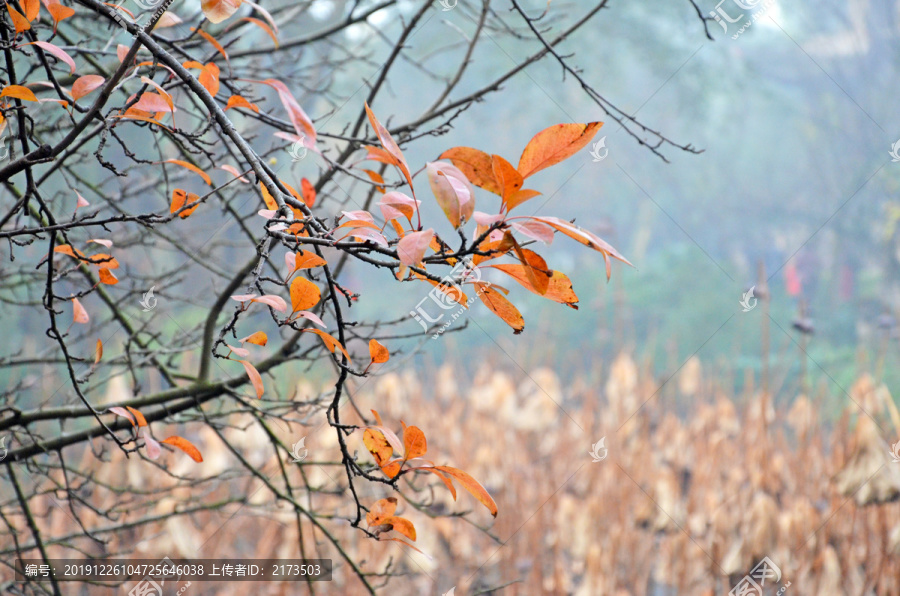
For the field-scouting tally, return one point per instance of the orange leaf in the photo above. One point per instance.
(381, 450)
(192, 168)
(443, 478)
(31, 7)
(330, 342)
(84, 85)
(255, 379)
(381, 510)
(378, 352)
(554, 144)
(68, 250)
(411, 248)
(138, 416)
(476, 165)
(559, 289)
(377, 179)
(402, 525)
(19, 22)
(307, 260)
(79, 314)
(59, 13)
(108, 277)
(209, 78)
(471, 485)
(219, 10)
(99, 353)
(500, 306)
(587, 238)
(259, 338)
(389, 144)
(519, 197)
(507, 176)
(185, 446)
(18, 91)
(262, 26)
(309, 192)
(180, 198)
(236, 101)
(211, 39)
(414, 444)
(304, 295)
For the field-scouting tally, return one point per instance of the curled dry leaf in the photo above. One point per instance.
(259, 338)
(255, 378)
(186, 446)
(138, 416)
(378, 352)
(79, 314)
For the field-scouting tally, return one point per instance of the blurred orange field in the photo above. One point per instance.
(676, 504)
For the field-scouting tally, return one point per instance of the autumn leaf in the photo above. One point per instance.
(180, 198)
(378, 352)
(219, 10)
(210, 38)
(276, 302)
(209, 75)
(401, 525)
(262, 26)
(473, 486)
(381, 450)
(389, 144)
(509, 179)
(452, 191)
(123, 413)
(302, 123)
(553, 145)
(79, 314)
(86, 84)
(152, 446)
(411, 248)
(304, 294)
(476, 165)
(236, 101)
(330, 342)
(259, 338)
(32, 8)
(558, 290)
(19, 22)
(309, 192)
(58, 13)
(18, 91)
(138, 416)
(381, 510)
(414, 444)
(501, 306)
(254, 376)
(98, 353)
(584, 237)
(108, 277)
(395, 204)
(192, 168)
(55, 50)
(186, 446)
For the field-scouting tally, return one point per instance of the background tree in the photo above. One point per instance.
(186, 274)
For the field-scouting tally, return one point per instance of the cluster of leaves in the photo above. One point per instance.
(383, 444)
